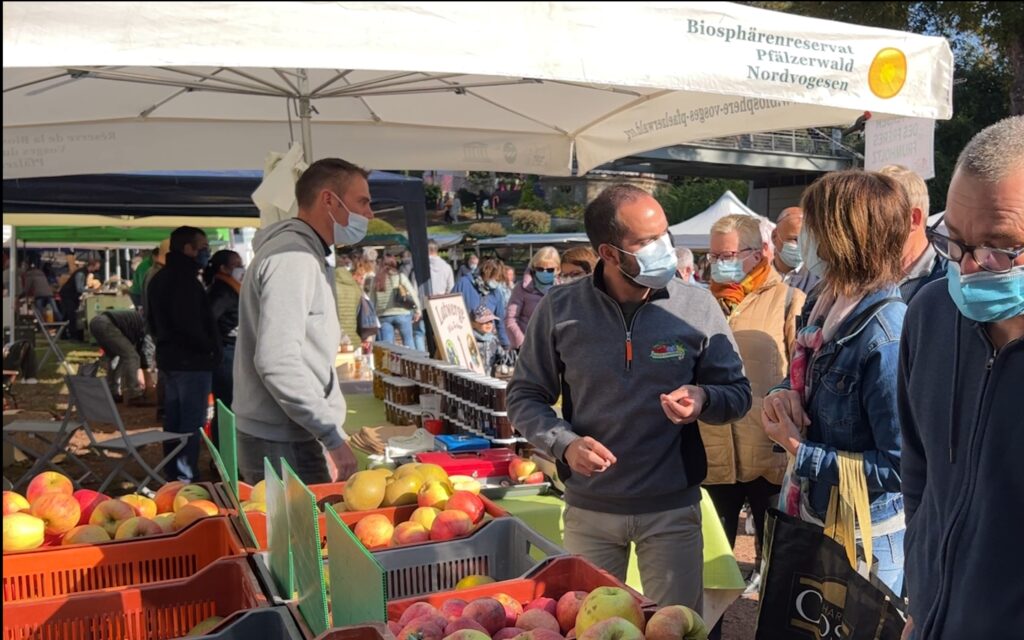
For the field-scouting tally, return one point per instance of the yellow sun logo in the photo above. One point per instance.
(888, 73)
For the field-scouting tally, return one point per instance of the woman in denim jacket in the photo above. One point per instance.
(840, 394)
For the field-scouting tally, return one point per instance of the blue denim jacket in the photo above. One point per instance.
(853, 408)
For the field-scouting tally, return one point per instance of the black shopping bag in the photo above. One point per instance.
(810, 591)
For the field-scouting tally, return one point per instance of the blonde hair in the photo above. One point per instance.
(860, 221)
(748, 228)
(546, 253)
(913, 184)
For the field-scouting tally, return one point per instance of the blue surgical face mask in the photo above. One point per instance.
(790, 255)
(352, 233)
(727, 271)
(544, 278)
(985, 296)
(657, 262)
(809, 253)
(203, 257)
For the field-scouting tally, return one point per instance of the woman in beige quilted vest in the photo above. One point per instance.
(762, 310)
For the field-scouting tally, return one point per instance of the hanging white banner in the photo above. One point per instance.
(906, 141)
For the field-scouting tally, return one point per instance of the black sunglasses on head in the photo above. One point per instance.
(545, 269)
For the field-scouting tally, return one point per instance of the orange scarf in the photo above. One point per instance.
(732, 294)
(231, 282)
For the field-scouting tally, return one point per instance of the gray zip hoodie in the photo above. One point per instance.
(288, 336)
(611, 377)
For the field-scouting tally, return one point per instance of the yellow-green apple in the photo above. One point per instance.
(402, 491)
(143, 506)
(190, 493)
(204, 627)
(23, 531)
(467, 503)
(450, 524)
(14, 502)
(109, 514)
(375, 531)
(433, 472)
(460, 624)
(508, 633)
(676, 623)
(513, 608)
(537, 619)
(520, 468)
(166, 522)
(434, 494)
(613, 628)
(410, 533)
(86, 534)
(568, 608)
(365, 490)
(417, 610)
(165, 496)
(466, 483)
(425, 628)
(488, 612)
(88, 500)
(468, 634)
(259, 492)
(137, 527)
(544, 604)
(48, 482)
(452, 608)
(424, 516)
(192, 511)
(474, 580)
(58, 511)
(608, 602)
(254, 506)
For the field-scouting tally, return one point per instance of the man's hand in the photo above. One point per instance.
(685, 404)
(908, 629)
(341, 463)
(587, 456)
(784, 432)
(787, 403)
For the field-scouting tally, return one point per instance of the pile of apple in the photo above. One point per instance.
(448, 507)
(52, 513)
(525, 471)
(606, 613)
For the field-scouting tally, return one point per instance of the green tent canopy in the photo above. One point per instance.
(110, 236)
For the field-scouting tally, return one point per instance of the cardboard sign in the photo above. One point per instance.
(905, 141)
(454, 332)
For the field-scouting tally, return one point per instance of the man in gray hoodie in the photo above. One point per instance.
(960, 381)
(637, 357)
(286, 396)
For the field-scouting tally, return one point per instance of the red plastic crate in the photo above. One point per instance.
(552, 580)
(477, 464)
(150, 612)
(62, 571)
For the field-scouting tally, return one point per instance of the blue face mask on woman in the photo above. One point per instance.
(544, 278)
(985, 296)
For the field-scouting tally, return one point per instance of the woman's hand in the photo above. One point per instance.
(782, 431)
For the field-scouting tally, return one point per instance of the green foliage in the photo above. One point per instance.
(529, 199)
(486, 230)
(529, 221)
(433, 195)
(378, 227)
(572, 211)
(684, 200)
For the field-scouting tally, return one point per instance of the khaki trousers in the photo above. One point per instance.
(669, 549)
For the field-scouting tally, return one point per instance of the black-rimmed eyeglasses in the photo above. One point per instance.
(988, 258)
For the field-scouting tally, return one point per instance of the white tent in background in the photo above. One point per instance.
(695, 233)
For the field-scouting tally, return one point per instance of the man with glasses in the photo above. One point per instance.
(637, 357)
(960, 382)
(921, 263)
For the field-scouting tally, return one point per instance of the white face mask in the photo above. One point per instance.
(657, 262)
(238, 273)
(354, 232)
(809, 251)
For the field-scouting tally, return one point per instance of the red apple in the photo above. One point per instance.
(166, 521)
(193, 511)
(425, 628)
(540, 634)
(489, 612)
(14, 502)
(417, 610)
(143, 506)
(544, 604)
(513, 608)
(568, 608)
(508, 633)
(109, 514)
(468, 503)
(463, 623)
(59, 511)
(48, 482)
(165, 496)
(88, 500)
(537, 619)
(410, 533)
(675, 623)
(394, 628)
(536, 477)
(468, 634)
(449, 525)
(86, 534)
(453, 608)
(137, 527)
(375, 531)
(520, 468)
(612, 629)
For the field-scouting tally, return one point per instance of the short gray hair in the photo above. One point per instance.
(913, 184)
(684, 257)
(995, 151)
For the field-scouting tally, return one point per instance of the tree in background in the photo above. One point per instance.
(687, 198)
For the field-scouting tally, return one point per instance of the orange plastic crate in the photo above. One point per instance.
(332, 493)
(552, 580)
(151, 612)
(83, 568)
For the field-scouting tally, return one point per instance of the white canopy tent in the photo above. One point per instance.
(695, 233)
(519, 86)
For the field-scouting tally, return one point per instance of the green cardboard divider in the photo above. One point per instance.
(227, 443)
(232, 494)
(358, 587)
(305, 543)
(278, 532)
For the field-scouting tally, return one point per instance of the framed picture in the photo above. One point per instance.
(453, 332)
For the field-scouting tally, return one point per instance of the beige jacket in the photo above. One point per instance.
(764, 326)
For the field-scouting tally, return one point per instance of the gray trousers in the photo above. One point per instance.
(669, 549)
(305, 458)
(123, 378)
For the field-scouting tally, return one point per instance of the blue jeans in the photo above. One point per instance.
(419, 334)
(401, 323)
(888, 553)
(185, 401)
(42, 303)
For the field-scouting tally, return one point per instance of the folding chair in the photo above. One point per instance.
(95, 405)
(55, 437)
(52, 341)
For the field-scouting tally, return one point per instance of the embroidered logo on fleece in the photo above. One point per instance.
(668, 351)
